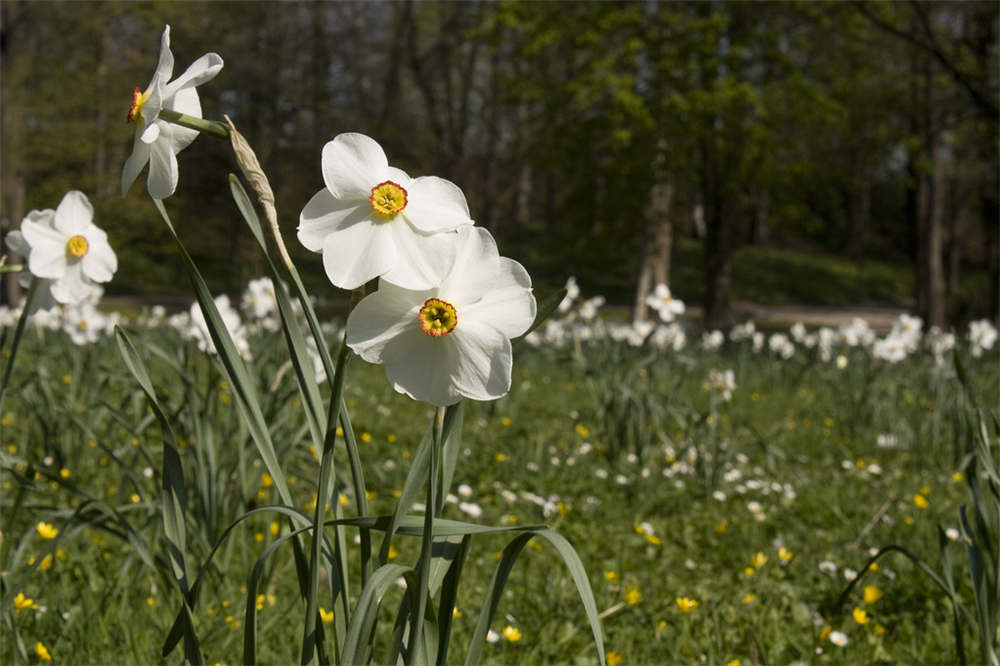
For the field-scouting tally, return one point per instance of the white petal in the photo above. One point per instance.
(355, 254)
(202, 70)
(16, 243)
(48, 249)
(422, 366)
(382, 316)
(352, 165)
(422, 260)
(150, 134)
(324, 214)
(162, 178)
(435, 204)
(74, 213)
(100, 262)
(72, 287)
(134, 164)
(476, 264)
(507, 305)
(185, 102)
(165, 65)
(484, 361)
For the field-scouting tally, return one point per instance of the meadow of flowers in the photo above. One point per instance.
(224, 485)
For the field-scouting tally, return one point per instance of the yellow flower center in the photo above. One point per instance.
(437, 318)
(138, 99)
(77, 246)
(388, 198)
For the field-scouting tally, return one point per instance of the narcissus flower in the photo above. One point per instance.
(157, 142)
(452, 340)
(664, 303)
(65, 248)
(373, 220)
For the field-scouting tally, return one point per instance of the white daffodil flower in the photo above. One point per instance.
(664, 303)
(157, 142)
(452, 340)
(65, 247)
(373, 220)
(197, 328)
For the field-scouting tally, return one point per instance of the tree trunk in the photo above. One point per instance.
(655, 263)
(930, 268)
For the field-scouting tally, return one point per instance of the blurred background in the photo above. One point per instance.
(766, 153)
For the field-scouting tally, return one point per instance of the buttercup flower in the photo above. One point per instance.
(373, 220)
(453, 339)
(157, 142)
(66, 248)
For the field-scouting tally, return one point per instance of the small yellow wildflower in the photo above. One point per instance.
(392, 552)
(390, 438)
(749, 598)
(632, 595)
(758, 560)
(720, 528)
(134, 498)
(260, 601)
(785, 555)
(879, 629)
(500, 457)
(22, 602)
(920, 501)
(66, 380)
(455, 613)
(64, 473)
(275, 528)
(653, 539)
(42, 651)
(613, 658)
(505, 421)
(872, 594)
(366, 437)
(926, 490)
(687, 605)
(46, 531)
(512, 634)
(258, 537)
(232, 622)
(749, 571)
(660, 627)
(150, 601)
(326, 615)
(825, 632)
(957, 476)
(611, 576)
(582, 430)
(266, 480)
(861, 616)
(733, 662)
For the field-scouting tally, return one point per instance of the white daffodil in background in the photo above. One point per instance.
(197, 327)
(65, 248)
(661, 300)
(452, 340)
(373, 220)
(157, 142)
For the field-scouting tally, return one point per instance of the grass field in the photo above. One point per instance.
(712, 531)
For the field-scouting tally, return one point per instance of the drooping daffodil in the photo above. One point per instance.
(451, 340)
(373, 220)
(157, 142)
(66, 249)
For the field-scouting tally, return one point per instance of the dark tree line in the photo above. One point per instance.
(589, 137)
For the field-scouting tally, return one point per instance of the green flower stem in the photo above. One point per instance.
(18, 332)
(424, 564)
(310, 637)
(12, 268)
(213, 127)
